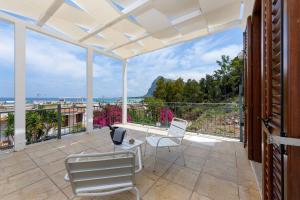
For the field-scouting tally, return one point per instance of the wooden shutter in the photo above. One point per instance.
(252, 95)
(266, 98)
(273, 99)
(293, 94)
(248, 88)
(245, 87)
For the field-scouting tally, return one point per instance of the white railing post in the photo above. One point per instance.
(20, 101)
(124, 96)
(89, 89)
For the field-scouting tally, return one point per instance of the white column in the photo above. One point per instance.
(124, 96)
(89, 89)
(20, 102)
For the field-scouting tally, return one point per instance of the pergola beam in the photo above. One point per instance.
(89, 89)
(175, 22)
(235, 23)
(126, 12)
(41, 30)
(50, 12)
(20, 94)
(124, 94)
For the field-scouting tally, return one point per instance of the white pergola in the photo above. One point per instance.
(120, 29)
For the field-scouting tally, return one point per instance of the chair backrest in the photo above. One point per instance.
(177, 127)
(97, 173)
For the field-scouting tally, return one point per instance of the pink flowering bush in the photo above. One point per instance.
(109, 115)
(166, 114)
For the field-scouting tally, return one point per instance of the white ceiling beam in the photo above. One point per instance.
(235, 23)
(175, 22)
(125, 13)
(50, 12)
(41, 30)
(186, 17)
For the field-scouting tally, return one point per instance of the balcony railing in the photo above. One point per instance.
(221, 119)
(6, 138)
(52, 122)
(43, 124)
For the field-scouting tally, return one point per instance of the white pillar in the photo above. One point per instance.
(20, 102)
(89, 89)
(124, 96)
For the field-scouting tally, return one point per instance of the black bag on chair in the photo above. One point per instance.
(117, 134)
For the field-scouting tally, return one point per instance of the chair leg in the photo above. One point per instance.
(155, 159)
(137, 193)
(145, 148)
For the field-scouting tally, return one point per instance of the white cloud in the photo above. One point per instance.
(6, 47)
(188, 61)
(52, 58)
(231, 51)
(63, 66)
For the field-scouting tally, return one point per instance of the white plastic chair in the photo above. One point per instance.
(101, 174)
(174, 138)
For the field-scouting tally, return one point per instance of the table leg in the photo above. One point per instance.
(140, 161)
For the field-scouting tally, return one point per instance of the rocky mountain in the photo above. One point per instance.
(152, 87)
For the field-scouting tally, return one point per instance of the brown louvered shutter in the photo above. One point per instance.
(273, 99)
(266, 99)
(293, 93)
(245, 87)
(252, 86)
(248, 88)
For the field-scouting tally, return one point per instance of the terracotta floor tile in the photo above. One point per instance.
(42, 190)
(196, 196)
(216, 188)
(53, 167)
(19, 181)
(248, 193)
(161, 167)
(58, 179)
(218, 170)
(183, 176)
(17, 162)
(164, 189)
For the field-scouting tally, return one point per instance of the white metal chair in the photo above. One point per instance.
(174, 138)
(101, 174)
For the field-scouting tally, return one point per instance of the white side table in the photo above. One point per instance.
(136, 146)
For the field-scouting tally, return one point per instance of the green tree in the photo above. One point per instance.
(49, 119)
(222, 85)
(154, 106)
(34, 126)
(160, 91)
(178, 90)
(9, 132)
(192, 92)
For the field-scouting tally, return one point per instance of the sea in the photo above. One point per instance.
(39, 100)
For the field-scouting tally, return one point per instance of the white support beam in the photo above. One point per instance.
(20, 102)
(50, 12)
(233, 24)
(186, 17)
(89, 89)
(41, 30)
(126, 12)
(124, 95)
(174, 23)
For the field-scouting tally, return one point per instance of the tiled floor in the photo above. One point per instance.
(215, 169)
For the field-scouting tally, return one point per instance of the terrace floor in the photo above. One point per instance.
(217, 168)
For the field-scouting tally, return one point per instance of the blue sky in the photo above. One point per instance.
(57, 69)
